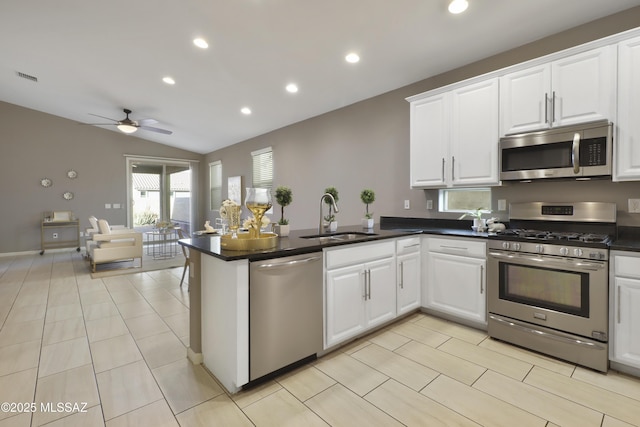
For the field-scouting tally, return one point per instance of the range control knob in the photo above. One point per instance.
(577, 252)
(564, 251)
(505, 245)
(516, 246)
(539, 249)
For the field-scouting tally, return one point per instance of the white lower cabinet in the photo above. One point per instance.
(455, 279)
(361, 295)
(625, 309)
(408, 271)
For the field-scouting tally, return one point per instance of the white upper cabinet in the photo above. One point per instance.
(576, 89)
(627, 135)
(454, 137)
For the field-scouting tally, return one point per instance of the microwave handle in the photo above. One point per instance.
(575, 153)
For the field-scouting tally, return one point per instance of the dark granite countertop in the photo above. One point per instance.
(294, 244)
(628, 239)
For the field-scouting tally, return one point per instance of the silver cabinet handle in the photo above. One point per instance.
(455, 248)
(546, 107)
(481, 279)
(364, 288)
(369, 284)
(618, 311)
(553, 107)
(575, 153)
(453, 173)
(443, 169)
(402, 275)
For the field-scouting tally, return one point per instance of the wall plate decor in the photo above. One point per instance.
(68, 195)
(46, 182)
(234, 189)
(71, 174)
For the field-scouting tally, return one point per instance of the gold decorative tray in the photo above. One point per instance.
(246, 243)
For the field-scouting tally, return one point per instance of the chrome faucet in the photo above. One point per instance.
(334, 205)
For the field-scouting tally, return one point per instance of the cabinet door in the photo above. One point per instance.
(626, 318)
(408, 292)
(429, 141)
(523, 100)
(344, 304)
(584, 86)
(626, 149)
(474, 134)
(380, 306)
(456, 286)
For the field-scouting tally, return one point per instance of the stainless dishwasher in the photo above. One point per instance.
(285, 312)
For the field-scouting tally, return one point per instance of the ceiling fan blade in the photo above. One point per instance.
(152, 129)
(99, 124)
(144, 122)
(108, 118)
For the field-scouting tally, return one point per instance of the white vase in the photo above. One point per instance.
(282, 230)
(479, 224)
(367, 223)
(333, 226)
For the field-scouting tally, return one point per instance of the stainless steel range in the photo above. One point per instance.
(547, 279)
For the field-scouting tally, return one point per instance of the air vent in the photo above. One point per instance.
(27, 76)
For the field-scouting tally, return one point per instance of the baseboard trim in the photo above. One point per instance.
(195, 358)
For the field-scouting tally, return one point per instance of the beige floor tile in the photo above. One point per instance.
(185, 385)
(465, 333)
(306, 382)
(16, 333)
(63, 312)
(613, 381)
(453, 366)
(63, 298)
(245, 398)
(168, 307)
(403, 370)
(21, 420)
(114, 352)
(487, 358)
(155, 293)
(162, 349)
(156, 414)
(282, 409)
(338, 406)
(612, 422)
(414, 409)
(147, 325)
(18, 357)
(91, 418)
(63, 330)
(478, 406)
(17, 387)
(527, 356)
(26, 314)
(126, 388)
(126, 295)
(417, 333)
(100, 310)
(351, 373)
(105, 328)
(74, 386)
(94, 297)
(607, 402)
(64, 355)
(541, 403)
(30, 298)
(135, 309)
(389, 340)
(220, 411)
(179, 323)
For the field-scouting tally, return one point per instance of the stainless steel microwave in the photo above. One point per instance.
(577, 151)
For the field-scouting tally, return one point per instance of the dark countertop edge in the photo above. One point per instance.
(628, 239)
(295, 245)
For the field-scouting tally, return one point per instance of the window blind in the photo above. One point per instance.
(215, 184)
(262, 168)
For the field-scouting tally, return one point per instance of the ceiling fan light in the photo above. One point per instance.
(458, 6)
(124, 128)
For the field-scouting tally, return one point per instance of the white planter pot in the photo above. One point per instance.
(333, 226)
(281, 230)
(367, 222)
(479, 224)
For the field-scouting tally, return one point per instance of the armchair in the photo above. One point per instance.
(115, 245)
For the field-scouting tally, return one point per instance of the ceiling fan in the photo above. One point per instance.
(127, 125)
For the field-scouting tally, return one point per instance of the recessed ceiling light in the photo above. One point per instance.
(201, 43)
(245, 110)
(168, 80)
(352, 58)
(458, 6)
(292, 88)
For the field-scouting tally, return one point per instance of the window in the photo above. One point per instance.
(464, 199)
(215, 184)
(262, 168)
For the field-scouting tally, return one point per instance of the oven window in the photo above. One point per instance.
(559, 290)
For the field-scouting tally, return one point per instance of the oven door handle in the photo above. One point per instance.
(550, 262)
(537, 332)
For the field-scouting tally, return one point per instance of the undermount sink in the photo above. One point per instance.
(347, 235)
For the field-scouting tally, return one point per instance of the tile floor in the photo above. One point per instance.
(114, 348)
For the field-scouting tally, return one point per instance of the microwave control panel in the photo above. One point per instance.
(593, 152)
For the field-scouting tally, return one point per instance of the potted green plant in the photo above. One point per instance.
(367, 197)
(479, 223)
(284, 197)
(331, 218)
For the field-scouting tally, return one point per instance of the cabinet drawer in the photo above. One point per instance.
(627, 266)
(358, 253)
(463, 247)
(407, 245)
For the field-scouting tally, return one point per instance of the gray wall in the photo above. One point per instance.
(36, 145)
(366, 145)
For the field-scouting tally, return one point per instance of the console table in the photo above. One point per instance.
(47, 232)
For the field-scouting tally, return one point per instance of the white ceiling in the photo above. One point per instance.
(99, 57)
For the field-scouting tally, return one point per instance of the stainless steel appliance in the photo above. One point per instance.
(579, 151)
(285, 312)
(547, 280)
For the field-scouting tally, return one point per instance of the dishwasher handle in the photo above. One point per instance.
(291, 263)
